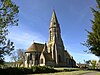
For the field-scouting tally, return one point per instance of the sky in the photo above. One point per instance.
(34, 20)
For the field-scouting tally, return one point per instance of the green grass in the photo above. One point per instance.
(97, 73)
(64, 68)
(66, 73)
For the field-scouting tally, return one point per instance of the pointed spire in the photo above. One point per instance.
(54, 21)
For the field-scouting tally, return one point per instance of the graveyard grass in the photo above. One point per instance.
(66, 73)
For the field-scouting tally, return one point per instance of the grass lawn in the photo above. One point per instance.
(65, 73)
(64, 68)
(97, 73)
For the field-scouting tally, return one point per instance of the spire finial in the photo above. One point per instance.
(54, 14)
(54, 10)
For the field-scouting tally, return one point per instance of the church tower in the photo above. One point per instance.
(52, 53)
(55, 43)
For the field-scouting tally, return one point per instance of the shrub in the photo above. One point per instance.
(32, 70)
(15, 70)
(71, 69)
(43, 69)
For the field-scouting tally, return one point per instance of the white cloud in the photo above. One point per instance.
(24, 39)
(80, 57)
(78, 54)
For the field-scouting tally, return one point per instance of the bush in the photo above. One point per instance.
(71, 69)
(32, 70)
(43, 69)
(15, 70)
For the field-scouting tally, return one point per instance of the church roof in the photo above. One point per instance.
(35, 47)
(67, 54)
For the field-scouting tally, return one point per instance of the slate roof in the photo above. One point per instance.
(67, 54)
(35, 47)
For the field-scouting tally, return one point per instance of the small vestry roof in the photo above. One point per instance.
(35, 47)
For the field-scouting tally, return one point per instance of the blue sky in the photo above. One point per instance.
(34, 20)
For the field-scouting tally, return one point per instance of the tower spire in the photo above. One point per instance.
(54, 27)
(54, 21)
(55, 43)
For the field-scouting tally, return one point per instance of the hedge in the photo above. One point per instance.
(32, 70)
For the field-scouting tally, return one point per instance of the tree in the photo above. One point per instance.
(99, 60)
(87, 63)
(18, 57)
(14, 57)
(8, 17)
(93, 62)
(93, 40)
(21, 56)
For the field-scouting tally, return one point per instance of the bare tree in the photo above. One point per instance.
(14, 58)
(21, 56)
(18, 57)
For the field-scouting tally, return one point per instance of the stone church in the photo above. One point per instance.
(51, 54)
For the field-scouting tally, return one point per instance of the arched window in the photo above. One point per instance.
(55, 30)
(30, 56)
(41, 60)
(54, 23)
(59, 58)
(50, 35)
(36, 57)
